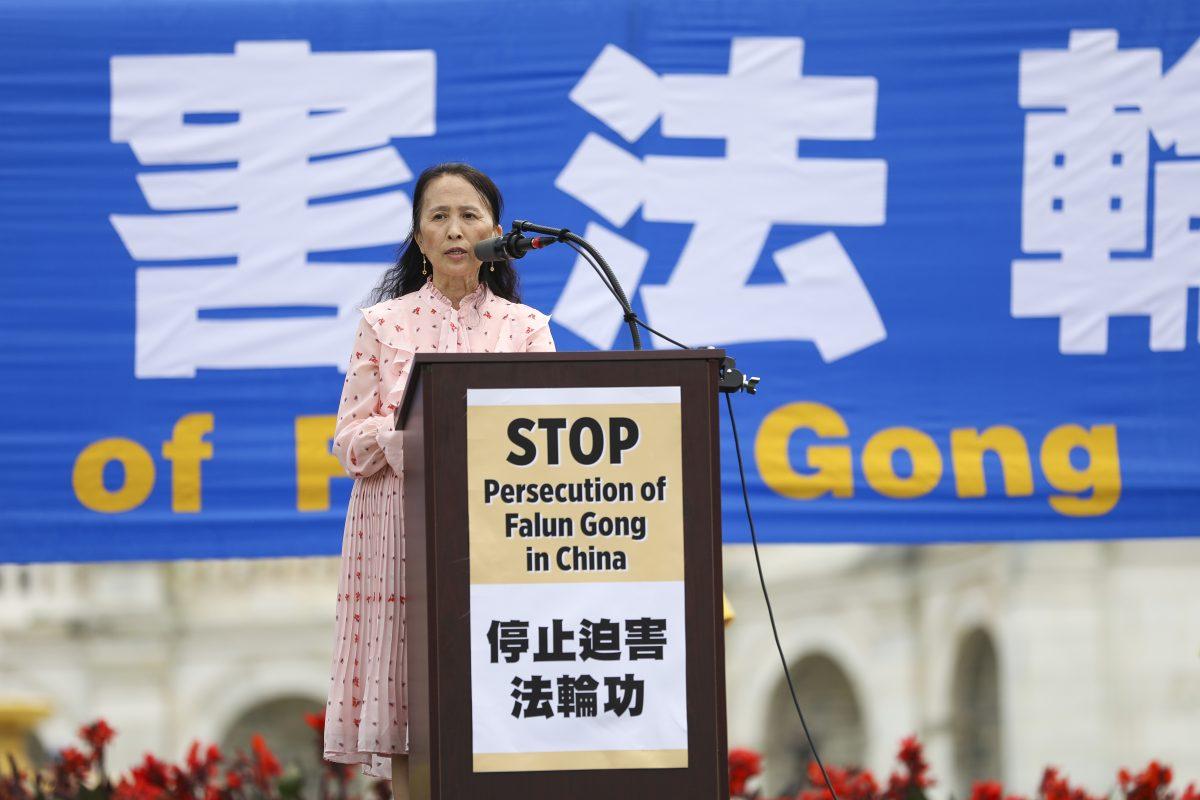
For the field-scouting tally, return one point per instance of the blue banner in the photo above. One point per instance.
(959, 242)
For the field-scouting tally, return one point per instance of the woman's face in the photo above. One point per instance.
(453, 219)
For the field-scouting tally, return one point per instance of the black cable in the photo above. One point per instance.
(638, 320)
(660, 335)
(614, 286)
(737, 448)
(595, 267)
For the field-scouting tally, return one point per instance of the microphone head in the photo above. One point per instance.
(492, 249)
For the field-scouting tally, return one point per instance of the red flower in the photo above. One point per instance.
(204, 767)
(180, 783)
(915, 776)
(233, 780)
(266, 766)
(912, 755)
(193, 757)
(1148, 784)
(98, 734)
(75, 763)
(127, 789)
(153, 772)
(743, 765)
(849, 784)
(316, 722)
(152, 780)
(987, 790)
(1054, 787)
(991, 790)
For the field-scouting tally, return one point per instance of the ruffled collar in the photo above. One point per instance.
(469, 308)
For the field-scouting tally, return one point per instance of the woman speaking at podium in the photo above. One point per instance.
(438, 298)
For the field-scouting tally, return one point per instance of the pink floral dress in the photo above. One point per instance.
(366, 718)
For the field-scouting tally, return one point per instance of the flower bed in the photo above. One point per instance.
(208, 774)
(912, 778)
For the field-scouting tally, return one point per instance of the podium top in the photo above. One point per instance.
(421, 360)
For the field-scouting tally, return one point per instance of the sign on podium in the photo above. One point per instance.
(564, 575)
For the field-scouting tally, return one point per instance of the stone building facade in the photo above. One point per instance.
(1003, 658)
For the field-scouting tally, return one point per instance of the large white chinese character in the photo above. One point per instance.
(283, 133)
(1085, 190)
(761, 109)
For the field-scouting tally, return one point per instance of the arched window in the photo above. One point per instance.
(834, 717)
(281, 723)
(977, 741)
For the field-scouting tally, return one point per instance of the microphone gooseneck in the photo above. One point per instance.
(731, 379)
(611, 282)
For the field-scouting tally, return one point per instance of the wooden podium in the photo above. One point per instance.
(437, 507)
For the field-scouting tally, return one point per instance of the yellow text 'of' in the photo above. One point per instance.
(185, 451)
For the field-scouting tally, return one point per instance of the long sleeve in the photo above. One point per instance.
(361, 419)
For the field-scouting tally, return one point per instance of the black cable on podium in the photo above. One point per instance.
(731, 380)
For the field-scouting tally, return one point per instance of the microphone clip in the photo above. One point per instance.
(732, 379)
(513, 245)
(510, 244)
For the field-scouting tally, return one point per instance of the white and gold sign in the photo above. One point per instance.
(577, 575)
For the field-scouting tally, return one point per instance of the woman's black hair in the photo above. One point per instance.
(405, 276)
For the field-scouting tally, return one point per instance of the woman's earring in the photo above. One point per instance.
(492, 266)
(424, 265)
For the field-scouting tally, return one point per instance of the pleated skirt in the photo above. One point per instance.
(366, 717)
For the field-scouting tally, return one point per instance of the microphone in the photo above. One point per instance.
(511, 245)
